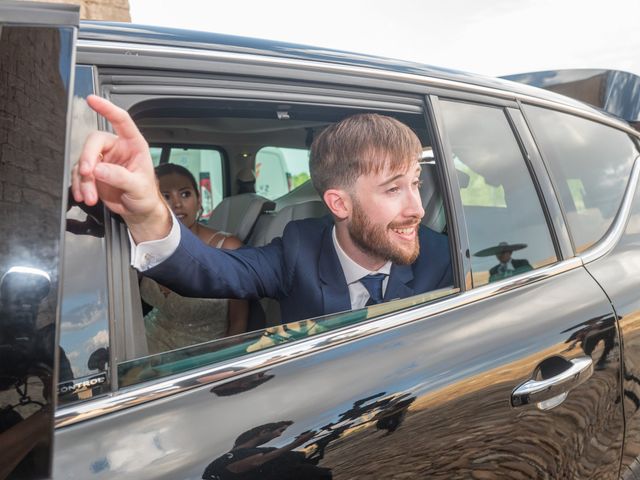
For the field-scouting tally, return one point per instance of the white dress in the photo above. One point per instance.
(176, 321)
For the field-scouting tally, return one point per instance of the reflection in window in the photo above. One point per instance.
(478, 192)
(590, 164)
(84, 325)
(508, 234)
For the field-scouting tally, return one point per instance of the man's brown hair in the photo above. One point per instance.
(359, 145)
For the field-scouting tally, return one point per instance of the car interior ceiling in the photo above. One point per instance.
(255, 123)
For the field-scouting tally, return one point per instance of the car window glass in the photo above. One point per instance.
(590, 165)
(84, 316)
(207, 353)
(156, 155)
(205, 164)
(279, 170)
(508, 234)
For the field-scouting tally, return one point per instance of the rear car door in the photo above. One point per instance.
(510, 411)
(36, 76)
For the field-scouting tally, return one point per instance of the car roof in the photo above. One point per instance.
(193, 39)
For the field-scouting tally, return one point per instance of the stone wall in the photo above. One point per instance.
(112, 10)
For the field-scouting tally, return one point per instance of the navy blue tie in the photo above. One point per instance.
(373, 284)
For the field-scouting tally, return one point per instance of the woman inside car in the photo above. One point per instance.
(175, 321)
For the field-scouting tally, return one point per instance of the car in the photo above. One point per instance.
(527, 366)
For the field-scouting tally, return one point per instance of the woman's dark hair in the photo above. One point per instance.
(169, 168)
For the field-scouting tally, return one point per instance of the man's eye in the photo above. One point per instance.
(417, 183)
(393, 190)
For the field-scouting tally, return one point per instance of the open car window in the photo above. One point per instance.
(257, 135)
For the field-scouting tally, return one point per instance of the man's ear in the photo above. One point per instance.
(339, 202)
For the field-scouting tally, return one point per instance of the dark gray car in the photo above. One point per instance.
(527, 367)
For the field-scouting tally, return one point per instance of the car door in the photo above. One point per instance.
(37, 54)
(595, 169)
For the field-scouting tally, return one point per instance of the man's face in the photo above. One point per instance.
(387, 210)
(504, 257)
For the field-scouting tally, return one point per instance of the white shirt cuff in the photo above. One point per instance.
(146, 255)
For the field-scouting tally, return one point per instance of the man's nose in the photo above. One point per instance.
(414, 206)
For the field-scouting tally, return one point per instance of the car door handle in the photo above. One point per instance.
(551, 392)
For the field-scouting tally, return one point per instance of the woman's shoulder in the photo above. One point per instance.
(218, 239)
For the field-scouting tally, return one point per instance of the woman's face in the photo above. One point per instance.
(182, 198)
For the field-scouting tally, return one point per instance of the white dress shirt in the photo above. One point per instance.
(506, 267)
(353, 272)
(149, 254)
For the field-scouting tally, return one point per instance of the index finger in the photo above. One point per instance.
(122, 123)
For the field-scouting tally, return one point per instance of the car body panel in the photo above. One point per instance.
(623, 261)
(426, 391)
(446, 380)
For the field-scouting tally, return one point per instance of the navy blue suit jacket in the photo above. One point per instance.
(301, 270)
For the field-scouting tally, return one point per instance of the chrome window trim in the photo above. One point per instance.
(617, 228)
(136, 395)
(134, 49)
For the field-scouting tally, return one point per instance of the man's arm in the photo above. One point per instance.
(118, 170)
(197, 270)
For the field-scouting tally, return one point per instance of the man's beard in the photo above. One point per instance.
(374, 239)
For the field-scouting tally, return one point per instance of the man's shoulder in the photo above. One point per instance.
(308, 227)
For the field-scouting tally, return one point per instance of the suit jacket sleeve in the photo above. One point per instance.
(198, 270)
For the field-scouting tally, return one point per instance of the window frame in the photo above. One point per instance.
(539, 177)
(331, 102)
(121, 282)
(99, 380)
(537, 147)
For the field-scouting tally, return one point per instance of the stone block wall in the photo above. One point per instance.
(112, 10)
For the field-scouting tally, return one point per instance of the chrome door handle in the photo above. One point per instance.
(552, 391)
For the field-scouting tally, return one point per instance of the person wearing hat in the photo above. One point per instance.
(508, 267)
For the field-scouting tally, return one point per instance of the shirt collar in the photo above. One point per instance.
(353, 272)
